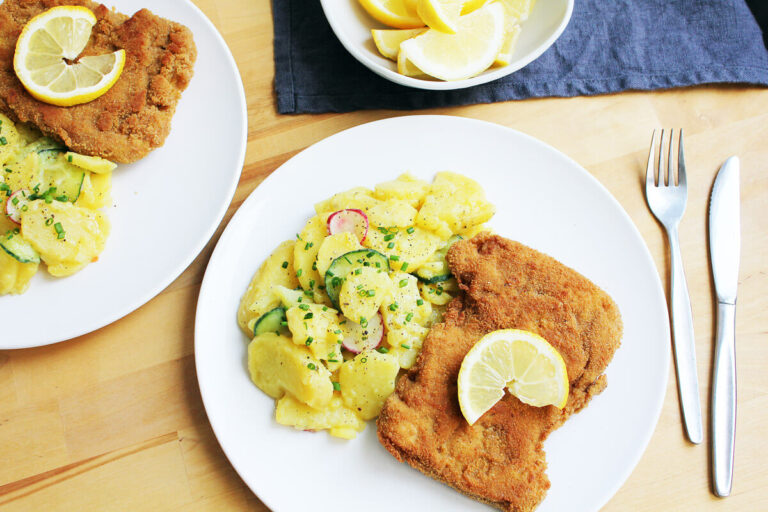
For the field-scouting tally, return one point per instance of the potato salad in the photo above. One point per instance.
(337, 312)
(50, 201)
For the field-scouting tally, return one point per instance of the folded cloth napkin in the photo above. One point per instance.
(608, 46)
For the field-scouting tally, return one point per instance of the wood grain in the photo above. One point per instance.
(114, 421)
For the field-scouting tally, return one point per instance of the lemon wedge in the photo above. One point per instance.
(521, 361)
(388, 41)
(508, 48)
(472, 5)
(393, 13)
(406, 67)
(440, 15)
(470, 51)
(519, 8)
(46, 59)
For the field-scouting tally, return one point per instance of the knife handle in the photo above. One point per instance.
(724, 400)
(685, 345)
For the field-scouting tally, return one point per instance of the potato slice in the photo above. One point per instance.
(261, 295)
(334, 246)
(305, 257)
(363, 292)
(68, 237)
(316, 327)
(455, 204)
(366, 381)
(278, 366)
(405, 188)
(341, 420)
(14, 275)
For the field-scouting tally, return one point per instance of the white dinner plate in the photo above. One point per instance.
(352, 26)
(545, 200)
(166, 206)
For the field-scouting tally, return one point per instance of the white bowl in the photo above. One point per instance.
(352, 25)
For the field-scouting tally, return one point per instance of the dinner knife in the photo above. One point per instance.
(724, 249)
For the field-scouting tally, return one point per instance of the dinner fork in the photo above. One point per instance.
(667, 198)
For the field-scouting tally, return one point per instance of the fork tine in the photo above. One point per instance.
(670, 162)
(681, 180)
(650, 179)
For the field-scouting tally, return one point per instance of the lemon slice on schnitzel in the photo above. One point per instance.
(46, 59)
(522, 362)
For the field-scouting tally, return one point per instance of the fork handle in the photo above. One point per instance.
(724, 400)
(684, 344)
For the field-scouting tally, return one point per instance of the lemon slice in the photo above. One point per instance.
(45, 53)
(393, 13)
(388, 41)
(470, 51)
(521, 361)
(508, 48)
(442, 15)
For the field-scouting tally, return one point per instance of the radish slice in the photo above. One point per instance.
(358, 338)
(349, 221)
(14, 204)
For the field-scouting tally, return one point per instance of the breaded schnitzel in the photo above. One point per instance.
(134, 116)
(499, 459)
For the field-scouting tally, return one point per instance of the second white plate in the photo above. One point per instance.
(167, 205)
(544, 200)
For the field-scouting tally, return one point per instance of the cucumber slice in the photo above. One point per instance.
(345, 264)
(21, 250)
(271, 321)
(436, 270)
(57, 172)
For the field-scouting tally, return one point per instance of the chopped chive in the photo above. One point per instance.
(325, 308)
(49, 221)
(311, 283)
(284, 323)
(394, 257)
(383, 230)
(409, 317)
(382, 350)
(363, 322)
(15, 201)
(358, 271)
(59, 230)
(285, 264)
(370, 293)
(3, 141)
(410, 230)
(314, 265)
(389, 237)
(336, 385)
(419, 302)
(364, 360)
(391, 245)
(403, 283)
(337, 331)
(333, 360)
(309, 341)
(370, 254)
(406, 347)
(312, 366)
(69, 158)
(298, 273)
(393, 306)
(405, 266)
(308, 316)
(304, 306)
(359, 287)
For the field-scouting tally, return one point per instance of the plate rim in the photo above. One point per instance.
(184, 263)
(640, 448)
(442, 85)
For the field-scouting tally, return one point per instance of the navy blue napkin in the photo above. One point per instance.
(608, 46)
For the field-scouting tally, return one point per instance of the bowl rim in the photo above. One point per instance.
(440, 85)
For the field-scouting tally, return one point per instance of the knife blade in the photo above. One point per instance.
(725, 230)
(725, 251)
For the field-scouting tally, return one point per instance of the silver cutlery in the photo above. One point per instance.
(667, 200)
(724, 249)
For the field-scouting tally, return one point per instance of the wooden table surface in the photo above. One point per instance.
(114, 421)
